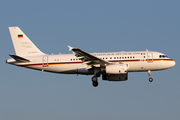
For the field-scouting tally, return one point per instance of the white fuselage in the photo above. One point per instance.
(69, 64)
(113, 66)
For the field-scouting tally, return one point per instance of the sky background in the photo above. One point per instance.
(93, 26)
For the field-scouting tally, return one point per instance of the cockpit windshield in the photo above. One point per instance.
(162, 56)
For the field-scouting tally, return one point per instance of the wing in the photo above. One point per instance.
(87, 58)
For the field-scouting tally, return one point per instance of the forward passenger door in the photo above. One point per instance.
(149, 57)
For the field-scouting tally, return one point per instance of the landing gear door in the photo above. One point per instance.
(149, 57)
(45, 61)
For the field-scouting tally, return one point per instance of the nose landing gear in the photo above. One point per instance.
(150, 78)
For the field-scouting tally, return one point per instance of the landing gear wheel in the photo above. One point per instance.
(150, 79)
(95, 83)
(94, 79)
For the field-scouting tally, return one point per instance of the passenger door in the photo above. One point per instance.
(45, 61)
(149, 57)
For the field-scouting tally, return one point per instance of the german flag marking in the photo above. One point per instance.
(20, 36)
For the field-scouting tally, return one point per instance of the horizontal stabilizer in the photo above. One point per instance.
(19, 59)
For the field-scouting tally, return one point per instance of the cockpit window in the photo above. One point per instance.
(162, 56)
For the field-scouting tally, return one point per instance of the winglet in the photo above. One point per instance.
(70, 48)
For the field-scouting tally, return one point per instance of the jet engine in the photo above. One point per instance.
(115, 69)
(115, 72)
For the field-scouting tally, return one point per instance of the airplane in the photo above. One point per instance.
(113, 66)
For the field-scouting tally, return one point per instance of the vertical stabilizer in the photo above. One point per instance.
(22, 44)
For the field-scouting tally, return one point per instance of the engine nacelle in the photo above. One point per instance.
(116, 69)
(113, 77)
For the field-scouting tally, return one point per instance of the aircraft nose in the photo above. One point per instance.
(170, 63)
(173, 63)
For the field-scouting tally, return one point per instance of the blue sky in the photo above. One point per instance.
(94, 26)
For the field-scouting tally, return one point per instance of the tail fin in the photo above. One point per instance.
(22, 44)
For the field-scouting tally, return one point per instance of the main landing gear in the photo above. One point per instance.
(150, 78)
(94, 81)
(95, 77)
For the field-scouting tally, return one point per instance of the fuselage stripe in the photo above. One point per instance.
(68, 63)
